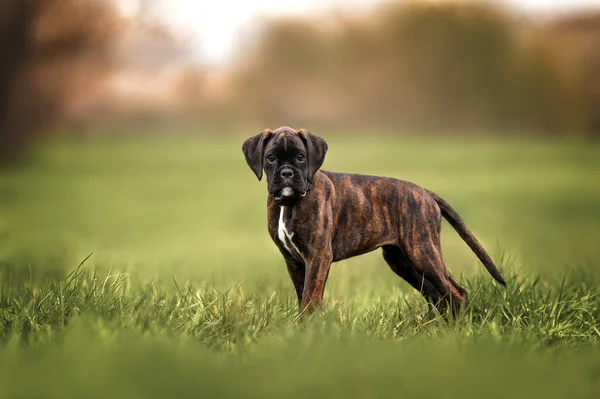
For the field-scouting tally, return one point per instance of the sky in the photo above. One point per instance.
(215, 26)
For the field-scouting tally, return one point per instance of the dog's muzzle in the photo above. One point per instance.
(288, 194)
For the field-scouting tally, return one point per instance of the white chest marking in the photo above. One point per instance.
(284, 235)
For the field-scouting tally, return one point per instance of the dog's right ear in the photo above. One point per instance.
(254, 151)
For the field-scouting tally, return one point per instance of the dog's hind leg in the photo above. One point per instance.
(426, 258)
(420, 242)
(460, 289)
(401, 266)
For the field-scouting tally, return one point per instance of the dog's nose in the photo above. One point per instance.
(287, 173)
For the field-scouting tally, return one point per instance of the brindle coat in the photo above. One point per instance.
(335, 216)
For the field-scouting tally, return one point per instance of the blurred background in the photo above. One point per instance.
(117, 66)
(121, 124)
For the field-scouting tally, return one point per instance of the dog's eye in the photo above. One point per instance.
(271, 158)
(300, 158)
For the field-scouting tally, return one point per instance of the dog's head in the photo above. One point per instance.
(289, 157)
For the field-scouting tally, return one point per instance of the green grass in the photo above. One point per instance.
(185, 295)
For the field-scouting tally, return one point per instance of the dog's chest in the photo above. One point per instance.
(285, 233)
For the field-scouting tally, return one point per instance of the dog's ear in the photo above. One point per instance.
(316, 148)
(254, 151)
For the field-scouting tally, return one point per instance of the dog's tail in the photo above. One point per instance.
(461, 228)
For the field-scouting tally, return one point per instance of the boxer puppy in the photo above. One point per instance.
(317, 217)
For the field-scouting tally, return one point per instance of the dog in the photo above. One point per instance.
(316, 217)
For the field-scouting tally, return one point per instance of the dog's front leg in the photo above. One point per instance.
(297, 272)
(317, 271)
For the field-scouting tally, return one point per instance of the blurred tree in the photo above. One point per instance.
(445, 66)
(54, 54)
(150, 59)
(576, 39)
(454, 65)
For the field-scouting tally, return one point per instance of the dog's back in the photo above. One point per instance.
(371, 211)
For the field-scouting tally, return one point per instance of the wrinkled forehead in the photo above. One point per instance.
(285, 142)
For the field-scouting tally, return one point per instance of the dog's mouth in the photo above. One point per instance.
(288, 195)
(285, 193)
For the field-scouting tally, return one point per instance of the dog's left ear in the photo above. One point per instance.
(316, 148)
(254, 151)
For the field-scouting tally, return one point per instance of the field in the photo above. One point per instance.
(179, 291)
